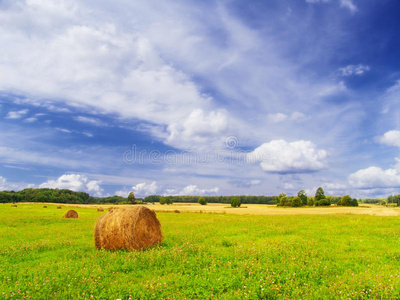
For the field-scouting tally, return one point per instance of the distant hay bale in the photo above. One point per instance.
(176, 211)
(71, 214)
(14, 205)
(58, 207)
(127, 228)
(100, 209)
(45, 206)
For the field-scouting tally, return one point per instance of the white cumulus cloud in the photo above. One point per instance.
(75, 182)
(140, 189)
(391, 138)
(3, 185)
(191, 190)
(280, 156)
(199, 127)
(145, 188)
(375, 177)
(102, 63)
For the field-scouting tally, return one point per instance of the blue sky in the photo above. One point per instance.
(200, 97)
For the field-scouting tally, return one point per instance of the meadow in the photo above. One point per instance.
(303, 255)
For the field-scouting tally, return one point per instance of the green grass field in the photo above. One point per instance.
(203, 256)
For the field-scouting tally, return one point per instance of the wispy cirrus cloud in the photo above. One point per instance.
(90, 120)
(354, 70)
(348, 4)
(17, 114)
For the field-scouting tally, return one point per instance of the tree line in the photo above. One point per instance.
(320, 199)
(72, 197)
(46, 195)
(244, 199)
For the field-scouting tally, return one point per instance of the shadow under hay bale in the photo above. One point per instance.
(58, 207)
(177, 211)
(100, 209)
(127, 228)
(13, 205)
(71, 214)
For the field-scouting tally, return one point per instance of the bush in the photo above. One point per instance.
(281, 199)
(323, 202)
(285, 201)
(202, 201)
(162, 200)
(297, 202)
(235, 202)
(310, 201)
(168, 200)
(347, 201)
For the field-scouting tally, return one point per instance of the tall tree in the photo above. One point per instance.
(303, 196)
(131, 198)
(320, 194)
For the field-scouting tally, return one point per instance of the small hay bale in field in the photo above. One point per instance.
(14, 205)
(177, 211)
(45, 206)
(127, 228)
(100, 209)
(58, 207)
(71, 214)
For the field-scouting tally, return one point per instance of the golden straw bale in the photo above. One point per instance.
(45, 206)
(58, 207)
(176, 211)
(127, 228)
(13, 205)
(71, 214)
(100, 209)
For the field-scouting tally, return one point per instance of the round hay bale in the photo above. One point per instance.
(100, 209)
(45, 206)
(71, 214)
(177, 211)
(127, 228)
(58, 207)
(14, 205)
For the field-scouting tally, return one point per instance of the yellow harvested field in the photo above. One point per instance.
(261, 209)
